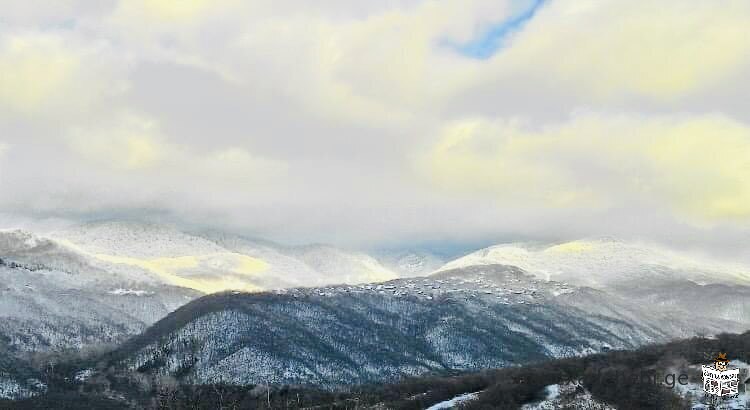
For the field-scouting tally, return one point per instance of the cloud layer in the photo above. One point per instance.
(370, 123)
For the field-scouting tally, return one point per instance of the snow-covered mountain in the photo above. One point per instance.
(337, 316)
(411, 263)
(103, 282)
(470, 318)
(646, 274)
(52, 298)
(212, 262)
(604, 262)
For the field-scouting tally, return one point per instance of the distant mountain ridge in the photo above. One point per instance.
(322, 316)
(602, 262)
(212, 262)
(470, 318)
(100, 283)
(646, 274)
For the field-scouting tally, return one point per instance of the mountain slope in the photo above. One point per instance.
(604, 262)
(473, 318)
(644, 274)
(102, 282)
(17, 379)
(53, 298)
(212, 262)
(411, 263)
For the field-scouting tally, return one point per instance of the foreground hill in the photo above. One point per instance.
(17, 378)
(665, 376)
(472, 318)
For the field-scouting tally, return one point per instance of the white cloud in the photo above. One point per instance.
(699, 166)
(613, 49)
(134, 144)
(288, 118)
(53, 75)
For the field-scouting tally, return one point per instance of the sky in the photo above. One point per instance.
(379, 123)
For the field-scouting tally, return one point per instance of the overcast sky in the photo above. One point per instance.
(383, 122)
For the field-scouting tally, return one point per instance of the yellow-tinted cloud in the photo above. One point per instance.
(166, 11)
(373, 68)
(703, 165)
(477, 156)
(612, 49)
(54, 75)
(34, 71)
(697, 166)
(132, 143)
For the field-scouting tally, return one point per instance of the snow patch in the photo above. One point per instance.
(129, 292)
(449, 404)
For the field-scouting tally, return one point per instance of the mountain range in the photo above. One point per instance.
(210, 307)
(101, 283)
(462, 319)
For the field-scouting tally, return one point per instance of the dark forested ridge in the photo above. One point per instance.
(507, 388)
(469, 319)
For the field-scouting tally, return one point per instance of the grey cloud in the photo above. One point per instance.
(350, 174)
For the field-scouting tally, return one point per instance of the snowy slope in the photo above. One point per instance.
(602, 262)
(411, 263)
(53, 298)
(212, 262)
(100, 283)
(346, 267)
(454, 402)
(567, 396)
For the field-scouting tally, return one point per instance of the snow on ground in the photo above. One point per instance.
(449, 404)
(83, 375)
(568, 396)
(11, 389)
(694, 392)
(125, 292)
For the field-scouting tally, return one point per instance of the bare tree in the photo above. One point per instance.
(167, 389)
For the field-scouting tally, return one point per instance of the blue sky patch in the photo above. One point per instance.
(492, 39)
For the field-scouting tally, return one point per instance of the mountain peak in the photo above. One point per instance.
(599, 261)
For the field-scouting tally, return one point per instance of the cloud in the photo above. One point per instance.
(43, 73)
(612, 49)
(134, 143)
(361, 122)
(34, 71)
(375, 67)
(130, 144)
(698, 166)
(166, 11)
